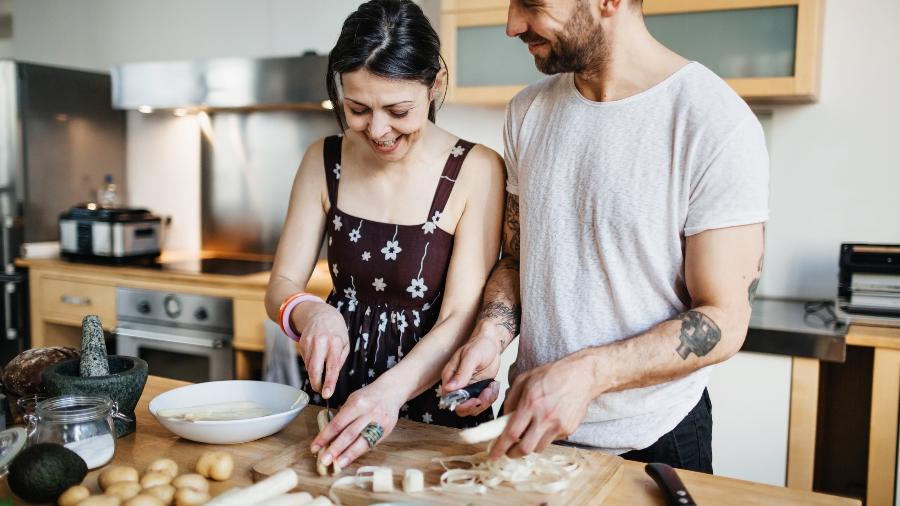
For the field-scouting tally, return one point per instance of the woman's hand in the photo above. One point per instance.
(341, 438)
(324, 343)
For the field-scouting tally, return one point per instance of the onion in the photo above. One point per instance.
(532, 473)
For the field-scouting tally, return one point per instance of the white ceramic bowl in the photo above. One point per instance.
(284, 401)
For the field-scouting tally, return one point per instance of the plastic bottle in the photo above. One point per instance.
(108, 194)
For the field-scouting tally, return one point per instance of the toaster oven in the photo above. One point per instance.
(116, 235)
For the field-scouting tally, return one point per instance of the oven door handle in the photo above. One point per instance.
(154, 336)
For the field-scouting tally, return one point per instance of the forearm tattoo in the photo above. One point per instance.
(699, 334)
(503, 315)
(511, 245)
(751, 290)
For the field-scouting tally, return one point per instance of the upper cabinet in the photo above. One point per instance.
(767, 50)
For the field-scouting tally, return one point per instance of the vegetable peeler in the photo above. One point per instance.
(456, 397)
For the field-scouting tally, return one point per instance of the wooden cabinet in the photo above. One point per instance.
(67, 301)
(767, 50)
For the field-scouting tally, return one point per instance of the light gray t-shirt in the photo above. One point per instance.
(608, 191)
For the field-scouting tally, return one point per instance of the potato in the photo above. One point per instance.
(145, 499)
(73, 495)
(194, 481)
(165, 493)
(216, 465)
(190, 497)
(116, 474)
(101, 500)
(124, 490)
(154, 478)
(167, 466)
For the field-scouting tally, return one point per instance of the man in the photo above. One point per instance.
(637, 193)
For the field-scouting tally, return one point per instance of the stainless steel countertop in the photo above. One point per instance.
(783, 327)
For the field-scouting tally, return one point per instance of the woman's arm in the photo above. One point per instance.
(325, 343)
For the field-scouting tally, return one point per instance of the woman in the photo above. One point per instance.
(411, 216)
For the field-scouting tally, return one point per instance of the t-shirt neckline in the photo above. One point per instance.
(637, 96)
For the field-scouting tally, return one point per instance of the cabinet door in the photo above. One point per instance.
(765, 49)
(751, 395)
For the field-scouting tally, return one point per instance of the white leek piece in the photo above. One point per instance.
(279, 483)
(237, 410)
(295, 499)
(383, 480)
(486, 431)
(413, 481)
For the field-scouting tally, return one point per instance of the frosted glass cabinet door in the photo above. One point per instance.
(735, 43)
(487, 57)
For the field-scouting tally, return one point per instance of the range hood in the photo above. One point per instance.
(223, 84)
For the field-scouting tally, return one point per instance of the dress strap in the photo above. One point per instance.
(332, 156)
(448, 177)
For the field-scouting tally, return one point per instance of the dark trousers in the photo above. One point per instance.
(688, 445)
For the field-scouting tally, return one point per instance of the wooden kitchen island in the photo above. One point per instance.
(152, 441)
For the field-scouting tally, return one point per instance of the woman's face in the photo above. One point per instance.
(390, 115)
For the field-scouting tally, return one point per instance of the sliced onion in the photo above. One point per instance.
(532, 473)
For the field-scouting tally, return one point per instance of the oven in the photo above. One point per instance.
(181, 336)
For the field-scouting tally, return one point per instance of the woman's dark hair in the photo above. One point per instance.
(389, 38)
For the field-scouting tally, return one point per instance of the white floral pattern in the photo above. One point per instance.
(350, 293)
(366, 256)
(382, 322)
(391, 361)
(337, 222)
(427, 417)
(416, 318)
(417, 288)
(337, 171)
(334, 269)
(401, 322)
(391, 249)
(457, 151)
(379, 284)
(436, 217)
(429, 227)
(354, 234)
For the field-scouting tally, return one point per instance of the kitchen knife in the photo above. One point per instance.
(670, 483)
(456, 397)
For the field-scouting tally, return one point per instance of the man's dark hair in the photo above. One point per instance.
(389, 38)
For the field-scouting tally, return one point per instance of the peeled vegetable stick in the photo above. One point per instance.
(209, 409)
(297, 499)
(322, 419)
(279, 483)
(383, 480)
(486, 431)
(413, 481)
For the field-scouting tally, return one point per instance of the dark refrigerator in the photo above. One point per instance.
(59, 137)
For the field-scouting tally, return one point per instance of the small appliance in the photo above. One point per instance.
(115, 235)
(869, 282)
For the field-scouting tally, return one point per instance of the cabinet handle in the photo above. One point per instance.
(75, 300)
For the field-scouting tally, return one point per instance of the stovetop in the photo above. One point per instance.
(227, 266)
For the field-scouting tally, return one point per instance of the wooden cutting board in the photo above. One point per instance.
(414, 445)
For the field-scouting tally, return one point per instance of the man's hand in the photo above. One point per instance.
(476, 360)
(546, 403)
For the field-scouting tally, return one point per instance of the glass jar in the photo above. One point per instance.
(82, 424)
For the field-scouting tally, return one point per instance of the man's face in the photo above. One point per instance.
(562, 35)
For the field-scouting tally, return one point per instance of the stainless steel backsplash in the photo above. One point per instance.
(248, 163)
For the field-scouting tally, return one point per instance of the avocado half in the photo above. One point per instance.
(42, 472)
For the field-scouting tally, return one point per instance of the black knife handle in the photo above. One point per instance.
(670, 483)
(476, 388)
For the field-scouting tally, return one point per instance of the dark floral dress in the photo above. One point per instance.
(388, 284)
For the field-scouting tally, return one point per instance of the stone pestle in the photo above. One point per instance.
(94, 361)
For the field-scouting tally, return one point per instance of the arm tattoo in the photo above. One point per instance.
(751, 290)
(503, 315)
(699, 334)
(512, 224)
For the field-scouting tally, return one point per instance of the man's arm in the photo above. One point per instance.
(497, 324)
(722, 269)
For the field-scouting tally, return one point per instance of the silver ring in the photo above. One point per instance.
(372, 433)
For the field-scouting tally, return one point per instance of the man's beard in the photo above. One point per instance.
(579, 47)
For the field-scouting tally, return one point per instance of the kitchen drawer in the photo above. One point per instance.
(66, 301)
